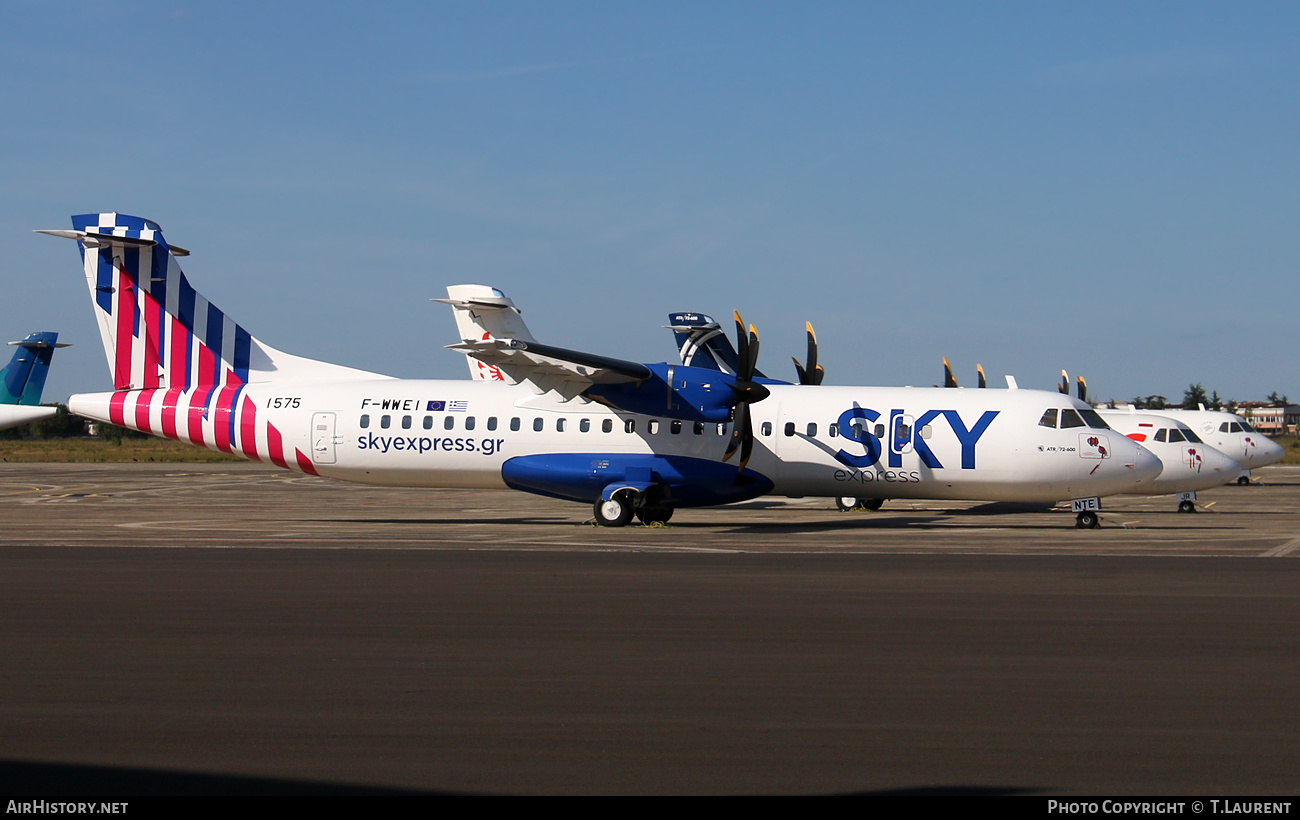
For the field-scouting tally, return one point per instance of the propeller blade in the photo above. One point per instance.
(1083, 389)
(983, 381)
(814, 373)
(742, 347)
(739, 423)
(746, 443)
(949, 380)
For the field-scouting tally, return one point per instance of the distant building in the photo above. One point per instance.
(1270, 419)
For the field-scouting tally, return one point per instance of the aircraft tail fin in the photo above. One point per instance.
(158, 331)
(22, 381)
(484, 312)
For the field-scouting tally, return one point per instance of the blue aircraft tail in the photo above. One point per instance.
(702, 343)
(24, 379)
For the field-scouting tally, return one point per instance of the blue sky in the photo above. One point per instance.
(1109, 188)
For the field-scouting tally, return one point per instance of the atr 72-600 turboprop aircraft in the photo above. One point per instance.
(22, 381)
(1228, 433)
(628, 438)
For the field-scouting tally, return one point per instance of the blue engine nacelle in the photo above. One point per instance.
(673, 391)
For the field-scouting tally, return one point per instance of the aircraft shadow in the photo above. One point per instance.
(61, 780)
(77, 780)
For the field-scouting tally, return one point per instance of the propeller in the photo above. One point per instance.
(813, 374)
(747, 392)
(949, 380)
(1064, 386)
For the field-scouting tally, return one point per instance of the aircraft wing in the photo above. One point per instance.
(547, 367)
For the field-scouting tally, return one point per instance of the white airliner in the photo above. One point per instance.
(1228, 433)
(1189, 464)
(628, 438)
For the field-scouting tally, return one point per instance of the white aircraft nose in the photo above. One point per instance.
(1218, 461)
(1144, 466)
(1268, 452)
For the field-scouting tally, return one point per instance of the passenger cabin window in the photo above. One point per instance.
(629, 426)
(767, 428)
(699, 428)
(1048, 419)
(469, 422)
(406, 422)
(514, 424)
(653, 427)
(812, 430)
(559, 425)
(365, 420)
(385, 421)
(676, 426)
(834, 429)
(584, 426)
(492, 422)
(607, 426)
(538, 424)
(428, 422)
(448, 422)
(1070, 418)
(789, 428)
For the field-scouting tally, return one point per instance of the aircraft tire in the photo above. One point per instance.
(654, 515)
(1186, 507)
(1087, 521)
(847, 503)
(615, 512)
(1243, 481)
(872, 504)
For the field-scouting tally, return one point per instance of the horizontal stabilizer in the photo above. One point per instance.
(95, 239)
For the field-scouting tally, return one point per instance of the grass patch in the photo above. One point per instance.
(97, 450)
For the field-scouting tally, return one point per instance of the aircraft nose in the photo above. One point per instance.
(1144, 466)
(1268, 452)
(1220, 462)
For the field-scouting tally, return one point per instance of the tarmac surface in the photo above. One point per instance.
(229, 629)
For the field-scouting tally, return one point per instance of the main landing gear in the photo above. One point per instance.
(618, 510)
(1088, 520)
(848, 503)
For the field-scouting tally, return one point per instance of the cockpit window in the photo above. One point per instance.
(1048, 419)
(1234, 428)
(1070, 418)
(1094, 419)
(1175, 435)
(1162, 434)
(1246, 428)
(1192, 437)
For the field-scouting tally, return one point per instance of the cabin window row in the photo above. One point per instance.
(858, 431)
(653, 426)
